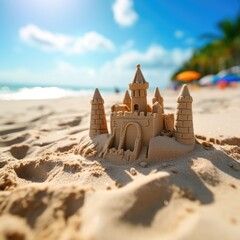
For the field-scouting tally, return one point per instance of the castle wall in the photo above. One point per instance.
(141, 103)
(158, 124)
(151, 125)
(169, 122)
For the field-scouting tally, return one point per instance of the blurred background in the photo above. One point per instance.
(58, 48)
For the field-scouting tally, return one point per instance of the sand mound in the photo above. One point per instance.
(53, 185)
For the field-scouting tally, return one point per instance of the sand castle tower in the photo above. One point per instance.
(184, 124)
(157, 97)
(138, 89)
(127, 100)
(98, 124)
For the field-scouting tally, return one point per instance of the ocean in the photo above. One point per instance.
(12, 91)
(27, 91)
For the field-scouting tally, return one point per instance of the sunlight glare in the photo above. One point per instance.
(44, 8)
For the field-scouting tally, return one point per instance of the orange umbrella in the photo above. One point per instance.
(188, 76)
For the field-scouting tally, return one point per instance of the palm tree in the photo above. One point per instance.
(228, 42)
(222, 51)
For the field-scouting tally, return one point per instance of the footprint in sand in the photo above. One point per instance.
(19, 151)
(35, 172)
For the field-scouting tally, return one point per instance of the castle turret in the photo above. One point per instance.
(157, 108)
(157, 97)
(127, 100)
(184, 124)
(98, 123)
(138, 89)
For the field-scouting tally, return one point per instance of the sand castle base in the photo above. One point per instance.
(161, 148)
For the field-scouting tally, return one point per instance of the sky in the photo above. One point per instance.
(99, 42)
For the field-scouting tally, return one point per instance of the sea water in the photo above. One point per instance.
(24, 91)
(12, 91)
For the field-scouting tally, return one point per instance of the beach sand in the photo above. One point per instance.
(47, 191)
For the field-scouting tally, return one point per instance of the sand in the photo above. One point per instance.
(49, 191)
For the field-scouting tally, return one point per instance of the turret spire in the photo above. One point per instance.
(138, 78)
(127, 99)
(184, 91)
(138, 89)
(98, 123)
(157, 97)
(157, 93)
(97, 95)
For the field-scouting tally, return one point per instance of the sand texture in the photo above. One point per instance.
(49, 191)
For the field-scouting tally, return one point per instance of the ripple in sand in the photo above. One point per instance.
(14, 140)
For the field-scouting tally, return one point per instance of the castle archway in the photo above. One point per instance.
(136, 107)
(131, 137)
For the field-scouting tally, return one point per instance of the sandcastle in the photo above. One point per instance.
(139, 131)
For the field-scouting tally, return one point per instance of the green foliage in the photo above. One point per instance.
(221, 52)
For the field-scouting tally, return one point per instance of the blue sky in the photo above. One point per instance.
(99, 42)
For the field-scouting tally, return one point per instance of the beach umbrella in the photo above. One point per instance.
(227, 78)
(206, 80)
(188, 76)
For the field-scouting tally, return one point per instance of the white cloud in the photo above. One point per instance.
(157, 64)
(179, 34)
(154, 57)
(48, 41)
(124, 13)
